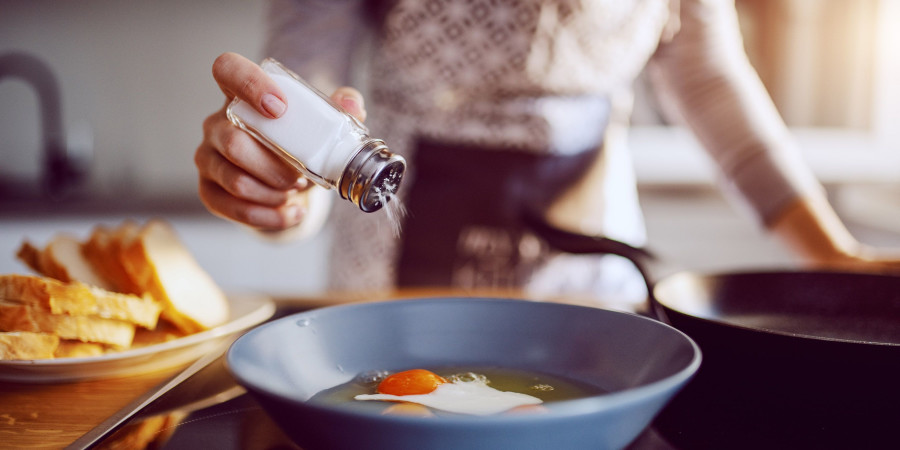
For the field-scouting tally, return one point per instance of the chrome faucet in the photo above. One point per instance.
(60, 172)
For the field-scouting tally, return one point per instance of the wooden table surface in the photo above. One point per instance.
(54, 415)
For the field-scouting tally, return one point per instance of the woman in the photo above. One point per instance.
(505, 108)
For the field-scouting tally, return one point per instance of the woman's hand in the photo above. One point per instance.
(240, 179)
(812, 229)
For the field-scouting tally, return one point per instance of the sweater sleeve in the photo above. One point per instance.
(316, 38)
(704, 71)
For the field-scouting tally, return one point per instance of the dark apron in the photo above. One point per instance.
(465, 204)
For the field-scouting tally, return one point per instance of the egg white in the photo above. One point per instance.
(472, 397)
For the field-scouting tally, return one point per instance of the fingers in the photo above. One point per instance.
(241, 150)
(239, 179)
(239, 77)
(262, 217)
(351, 100)
(242, 181)
(236, 181)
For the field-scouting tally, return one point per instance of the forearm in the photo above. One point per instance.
(723, 101)
(704, 74)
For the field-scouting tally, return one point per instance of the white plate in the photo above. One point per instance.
(246, 311)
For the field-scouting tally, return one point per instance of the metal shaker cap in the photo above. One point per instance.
(373, 176)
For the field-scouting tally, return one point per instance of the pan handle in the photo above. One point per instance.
(650, 267)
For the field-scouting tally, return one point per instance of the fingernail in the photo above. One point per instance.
(301, 183)
(350, 104)
(273, 105)
(295, 213)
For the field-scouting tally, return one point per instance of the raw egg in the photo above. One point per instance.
(463, 395)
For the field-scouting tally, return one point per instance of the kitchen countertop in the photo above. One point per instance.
(55, 415)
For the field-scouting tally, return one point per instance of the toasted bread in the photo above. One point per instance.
(163, 267)
(165, 332)
(95, 295)
(103, 251)
(20, 345)
(77, 349)
(63, 260)
(79, 299)
(143, 311)
(31, 256)
(23, 317)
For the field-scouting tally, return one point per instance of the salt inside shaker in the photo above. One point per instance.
(324, 143)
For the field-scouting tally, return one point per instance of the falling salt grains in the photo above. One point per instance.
(325, 143)
(393, 208)
(396, 212)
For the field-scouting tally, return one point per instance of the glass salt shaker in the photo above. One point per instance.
(324, 143)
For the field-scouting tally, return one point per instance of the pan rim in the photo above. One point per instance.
(566, 409)
(710, 275)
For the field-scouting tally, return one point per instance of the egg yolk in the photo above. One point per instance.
(410, 382)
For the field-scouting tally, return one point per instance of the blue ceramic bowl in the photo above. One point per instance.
(640, 362)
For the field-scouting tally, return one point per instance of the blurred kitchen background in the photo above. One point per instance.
(132, 85)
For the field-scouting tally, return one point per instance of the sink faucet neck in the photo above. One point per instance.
(59, 173)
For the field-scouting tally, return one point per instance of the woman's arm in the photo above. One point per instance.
(812, 230)
(704, 72)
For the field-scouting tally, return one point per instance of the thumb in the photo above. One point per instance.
(352, 101)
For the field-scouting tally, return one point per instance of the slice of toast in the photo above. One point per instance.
(143, 311)
(79, 299)
(63, 260)
(22, 317)
(164, 267)
(18, 345)
(31, 256)
(103, 251)
(77, 349)
(165, 332)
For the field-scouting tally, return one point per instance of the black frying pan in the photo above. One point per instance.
(792, 359)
